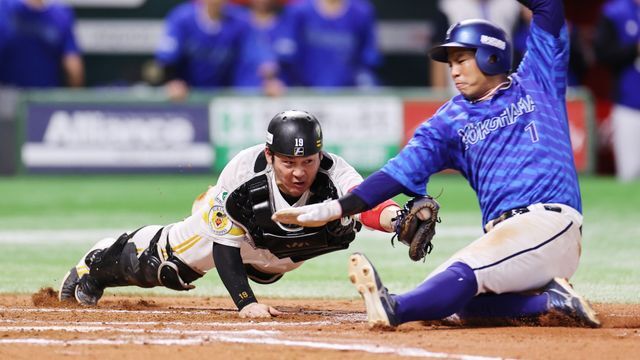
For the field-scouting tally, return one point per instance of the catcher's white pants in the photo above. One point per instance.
(197, 253)
(524, 252)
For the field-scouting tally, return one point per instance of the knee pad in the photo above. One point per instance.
(106, 265)
(169, 276)
(260, 277)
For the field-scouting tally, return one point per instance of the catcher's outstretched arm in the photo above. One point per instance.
(233, 274)
(372, 191)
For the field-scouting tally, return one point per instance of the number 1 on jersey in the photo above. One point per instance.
(531, 128)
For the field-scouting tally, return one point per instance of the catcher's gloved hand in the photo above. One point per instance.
(415, 225)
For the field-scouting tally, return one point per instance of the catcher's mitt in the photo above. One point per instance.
(415, 225)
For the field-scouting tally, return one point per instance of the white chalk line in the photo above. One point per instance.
(179, 323)
(170, 331)
(108, 311)
(200, 337)
(339, 318)
(51, 236)
(91, 236)
(375, 349)
(622, 315)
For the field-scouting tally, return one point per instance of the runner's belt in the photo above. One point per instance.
(513, 212)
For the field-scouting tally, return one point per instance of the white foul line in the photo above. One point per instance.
(200, 337)
(91, 236)
(337, 319)
(181, 323)
(115, 311)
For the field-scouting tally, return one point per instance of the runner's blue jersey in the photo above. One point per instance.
(514, 149)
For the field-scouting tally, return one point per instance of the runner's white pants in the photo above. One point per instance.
(524, 252)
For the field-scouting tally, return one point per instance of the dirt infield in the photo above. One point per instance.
(34, 327)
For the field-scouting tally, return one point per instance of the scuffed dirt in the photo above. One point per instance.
(137, 322)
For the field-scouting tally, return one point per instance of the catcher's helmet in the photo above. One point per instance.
(294, 133)
(493, 48)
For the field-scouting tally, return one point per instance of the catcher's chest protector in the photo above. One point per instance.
(251, 205)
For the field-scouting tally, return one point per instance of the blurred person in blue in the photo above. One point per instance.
(258, 67)
(581, 56)
(202, 45)
(37, 45)
(329, 43)
(618, 46)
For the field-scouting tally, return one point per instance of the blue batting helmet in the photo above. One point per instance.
(493, 49)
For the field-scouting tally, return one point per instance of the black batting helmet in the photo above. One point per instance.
(294, 133)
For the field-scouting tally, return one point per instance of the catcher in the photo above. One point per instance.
(230, 227)
(508, 135)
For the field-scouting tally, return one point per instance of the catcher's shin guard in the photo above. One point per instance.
(88, 291)
(68, 285)
(117, 265)
(379, 303)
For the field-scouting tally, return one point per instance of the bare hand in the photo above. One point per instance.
(177, 90)
(273, 87)
(257, 310)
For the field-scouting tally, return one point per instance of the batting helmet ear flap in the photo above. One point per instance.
(493, 62)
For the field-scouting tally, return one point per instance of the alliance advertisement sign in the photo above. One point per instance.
(131, 138)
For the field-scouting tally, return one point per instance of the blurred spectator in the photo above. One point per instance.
(329, 43)
(438, 72)
(37, 45)
(202, 45)
(581, 55)
(503, 13)
(258, 66)
(618, 46)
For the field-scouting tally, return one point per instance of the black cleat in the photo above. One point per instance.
(68, 286)
(88, 291)
(379, 303)
(565, 300)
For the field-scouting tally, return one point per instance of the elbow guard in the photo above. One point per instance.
(371, 218)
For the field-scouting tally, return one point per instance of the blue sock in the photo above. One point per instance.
(509, 305)
(438, 297)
